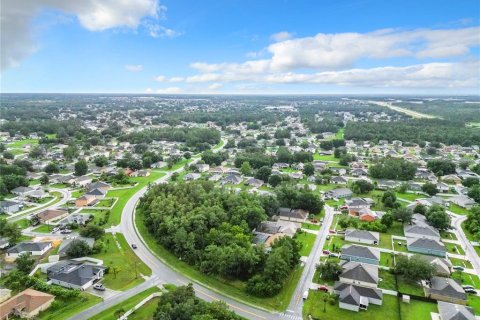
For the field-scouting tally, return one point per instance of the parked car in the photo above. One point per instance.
(323, 288)
(472, 291)
(459, 268)
(333, 255)
(99, 287)
(326, 252)
(66, 231)
(134, 246)
(55, 229)
(305, 295)
(341, 232)
(332, 231)
(468, 287)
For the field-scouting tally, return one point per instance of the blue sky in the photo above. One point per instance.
(146, 46)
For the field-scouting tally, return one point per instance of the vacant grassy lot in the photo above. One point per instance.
(386, 259)
(310, 226)
(457, 209)
(314, 307)
(388, 280)
(71, 307)
(474, 302)
(410, 288)
(466, 278)
(307, 240)
(461, 262)
(118, 253)
(22, 143)
(111, 313)
(124, 195)
(233, 289)
(416, 310)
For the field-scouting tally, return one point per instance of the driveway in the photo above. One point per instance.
(105, 295)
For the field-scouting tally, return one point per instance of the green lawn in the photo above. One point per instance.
(468, 234)
(22, 224)
(70, 308)
(457, 209)
(417, 310)
(454, 248)
(146, 311)
(448, 235)
(77, 193)
(233, 289)
(410, 196)
(98, 214)
(388, 280)
(314, 307)
(474, 302)
(334, 244)
(110, 314)
(105, 203)
(461, 262)
(317, 156)
(124, 195)
(43, 228)
(125, 259)
(307, 240)
(386, 259)
(407, 287)
(400, 245)
(22, 143)
(310, 226)
(466, 278)
(396, 229)
(385, 241)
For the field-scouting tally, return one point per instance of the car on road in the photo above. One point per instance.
(458, 268)
(99, 287)
(134, 246)
(323, 288)
(305, 295)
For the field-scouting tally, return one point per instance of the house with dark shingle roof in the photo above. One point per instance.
(351, 252)
(75, 274)
(445, 289)
(362, 236)
(427, 246)
(356, 298)
(362, 274)
(451, 311)
(29, 247)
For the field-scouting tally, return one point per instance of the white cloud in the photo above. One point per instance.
(134, 67)
(215, 86)
(176, 79)
(157, 31)
(160, 78)
(281, 36)
(170, 90)
(17, 41)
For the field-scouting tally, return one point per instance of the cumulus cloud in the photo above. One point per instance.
(281, 36)
(170, 90)
(134, 67)
(17, 41)
(344, 50)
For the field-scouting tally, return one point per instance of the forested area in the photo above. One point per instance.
(211, 229)
(416, 131)
(193, 137)
(451, 109)
(13, 176)
(392, 168)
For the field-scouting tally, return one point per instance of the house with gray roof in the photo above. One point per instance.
(29, 247)
(295, 215)
(338, 193)
(351, 252)
(75, 274)
(445, 289)
(362, 274)
(75, 218)
(356, 298)
(362, 236)
(421, 231)
(462, 201)
(452, 311)
(427, 246)
(9, 207)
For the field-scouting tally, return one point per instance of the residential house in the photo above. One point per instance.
(452, 178)
(26, 304)
(338, 180)
(191, 176)
(445, 289)
(75, 218)
(21, 191)
(83, 181)
(443, 187)
(86, 200)
(452, 311)
(360, 274)
(427, 246)
(296, 215)
(462, 201)
(9, 207)
(443, 267)
(359, 172)
(74, 274)
(256, 183)
(351, 252)
(97, 193)
(99, 185)
(362, 236)
(231, 179)
(338, 193)
(4, 243)
(159, 164)
(29, 247)
(49, 215)
(202, 167)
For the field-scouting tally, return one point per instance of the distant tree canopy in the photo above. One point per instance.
(211, 229)
(193, 137)
(413, 131)
(392, 168)
(441, 167)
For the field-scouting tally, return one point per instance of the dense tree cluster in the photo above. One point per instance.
(472, 224)
(212, 228)
(414, 268)
(182, 304)
(12, 176)
(392, 168)
(413, 131)
(441, 167)
(290, 196)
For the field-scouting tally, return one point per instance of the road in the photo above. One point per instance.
(66, 195)
(469, 250)
(411, 113)
(296, 304)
